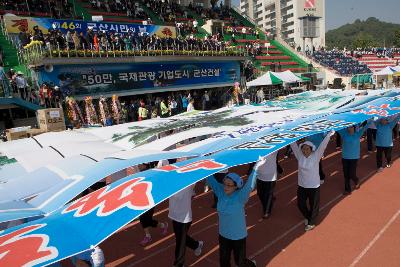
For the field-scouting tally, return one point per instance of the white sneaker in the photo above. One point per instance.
(206, 189)
(380, 169)
(309, 227)
(197, 251)
(388, 166)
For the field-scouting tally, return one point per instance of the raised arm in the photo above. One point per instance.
(244, 192)
(394, 121)
(320, 150)
(216, 187)
(363, 127)
(251, 181)
(296, 150)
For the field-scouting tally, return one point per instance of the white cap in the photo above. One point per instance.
(308, 143)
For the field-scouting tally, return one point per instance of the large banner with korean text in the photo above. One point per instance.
(15, 25)
(93, 218)
(81, 80)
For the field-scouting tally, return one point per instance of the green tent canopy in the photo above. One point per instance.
(362, 79)
(266, 79)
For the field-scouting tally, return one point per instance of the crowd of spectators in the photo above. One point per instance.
(168, 104)
(53, 8)
(112, 41)
(168, 12)
(339, 61)
(380, 52)
(241, 30)
(132, 9)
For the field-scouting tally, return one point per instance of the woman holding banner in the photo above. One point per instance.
(146, 219)
(232, 197)
(384, 140)
(308, 157)
(351, 154)
(180, 212)
(267, 173)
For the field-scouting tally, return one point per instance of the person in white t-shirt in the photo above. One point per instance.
(180, 212)
(308, 157)
(266, 179)
(190, 107)
(146, 219)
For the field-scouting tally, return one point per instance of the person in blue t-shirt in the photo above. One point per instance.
(232, 197)
(109, 121)
(384, 140)
(350, 154)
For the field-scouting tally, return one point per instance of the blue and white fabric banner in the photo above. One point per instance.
(61, 193)
(91, 219)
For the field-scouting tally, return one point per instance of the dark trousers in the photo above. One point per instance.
(371, 137)
(388, 155)
(312, 196)
(288, 151)
(182, 240)
(321, 171)
(338, 140)
(22, 92)
(265, 192)
(146, 219)
(396, 131)
(349, 172)
(226, 246)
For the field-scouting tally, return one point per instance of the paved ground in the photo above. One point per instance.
(362, 229)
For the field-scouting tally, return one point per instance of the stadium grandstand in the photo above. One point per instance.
(38, 38)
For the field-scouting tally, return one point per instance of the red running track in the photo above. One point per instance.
(362, 229)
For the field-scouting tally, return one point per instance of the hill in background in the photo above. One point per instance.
(371, 32)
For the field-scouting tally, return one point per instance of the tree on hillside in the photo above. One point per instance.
(397, 38)
(363, 40)
(383, 34)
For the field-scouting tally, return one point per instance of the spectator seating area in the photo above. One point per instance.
(237, 32)
(376, 63)
(338, 61)
(38, 8)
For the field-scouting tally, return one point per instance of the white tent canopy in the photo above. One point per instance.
(386, 71)
(287, 76)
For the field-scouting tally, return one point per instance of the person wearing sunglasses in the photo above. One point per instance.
(232, 197)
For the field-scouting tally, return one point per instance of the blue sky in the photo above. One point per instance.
(340, 12)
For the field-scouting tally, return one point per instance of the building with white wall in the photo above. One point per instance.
(299, 22)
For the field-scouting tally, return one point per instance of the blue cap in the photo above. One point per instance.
(236, 178)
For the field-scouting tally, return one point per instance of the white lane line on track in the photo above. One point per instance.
(258, 252)
(373, 241)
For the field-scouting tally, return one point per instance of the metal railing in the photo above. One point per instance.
(35, 53)
(11, 38)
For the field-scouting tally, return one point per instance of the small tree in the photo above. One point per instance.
(396, 40)
(363, 40)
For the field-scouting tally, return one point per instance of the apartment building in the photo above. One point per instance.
(299, 22)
